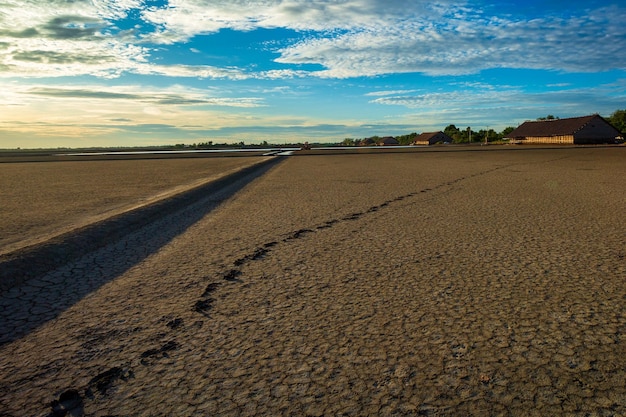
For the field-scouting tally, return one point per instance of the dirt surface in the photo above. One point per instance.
(431, 283)
(43, 199)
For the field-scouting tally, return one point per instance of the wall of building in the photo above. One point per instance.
(595, 132)
(567, 139)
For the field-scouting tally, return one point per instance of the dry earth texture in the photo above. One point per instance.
(426, 283)
(43, 199)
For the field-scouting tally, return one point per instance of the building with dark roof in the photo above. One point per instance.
(388, 141)
(431, 138)
(575, 130)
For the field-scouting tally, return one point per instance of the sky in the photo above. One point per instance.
(87, 73)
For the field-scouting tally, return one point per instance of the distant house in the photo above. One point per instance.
(388, 141)
(575, 130)
(367, 142)
(430, 138)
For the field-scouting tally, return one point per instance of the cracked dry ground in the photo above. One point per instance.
(429, 283)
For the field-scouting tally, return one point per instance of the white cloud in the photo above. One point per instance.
(559, 85)
(388, 93)
(351, 38)
(183, 19)
(189, 71)
(281, 74)
(442, 100)
(115, 9)
(19, 16)
(373, 37)
(57, 58)
(60, 38)
(466, 42)
(129, 95)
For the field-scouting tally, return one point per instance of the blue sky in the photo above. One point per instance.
(153, 72)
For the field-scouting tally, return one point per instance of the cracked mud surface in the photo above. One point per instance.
(445, 283)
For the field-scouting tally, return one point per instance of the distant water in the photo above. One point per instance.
(268, 150)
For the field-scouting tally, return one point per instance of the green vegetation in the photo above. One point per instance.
(548, 117)
(407, 139)
(235, 145)
(618, 119)
(457, 135)
(470, 136)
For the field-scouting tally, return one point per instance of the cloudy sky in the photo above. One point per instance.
(148, 72)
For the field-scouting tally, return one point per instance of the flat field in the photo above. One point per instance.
(462, 282)
(46, 198)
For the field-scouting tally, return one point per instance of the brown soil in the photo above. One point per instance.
(429, 283)
(43, 199)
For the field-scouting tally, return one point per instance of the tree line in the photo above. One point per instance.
(458, 135)
(467, 135)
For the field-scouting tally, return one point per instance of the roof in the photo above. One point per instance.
(554, 127)
(389, 140)
(428, 135)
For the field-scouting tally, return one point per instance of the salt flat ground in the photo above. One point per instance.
(43, 199)
(487, 282)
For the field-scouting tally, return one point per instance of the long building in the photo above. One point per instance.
(575, 130)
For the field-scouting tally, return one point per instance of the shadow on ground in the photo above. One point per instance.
(39, 283)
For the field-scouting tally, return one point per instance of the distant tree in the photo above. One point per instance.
(348, 142)
(456, 134)
(407, 139)
(618, 119)
(506, 131)
(451, 130)
(204, 145)
(486, 135)
(548, 117)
